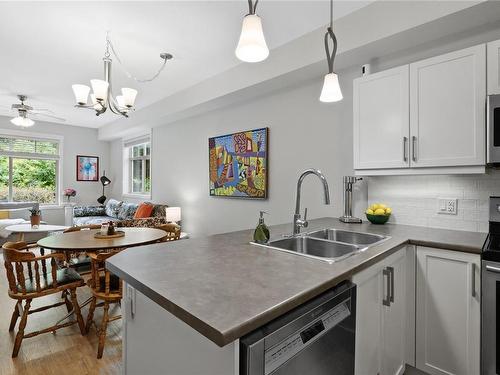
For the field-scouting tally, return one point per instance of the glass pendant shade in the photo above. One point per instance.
(331, 89)
(100, 89)
(252, 45)
(128, 97)
(95, 103)
(81, 93)
(22, 121)
(120, 101)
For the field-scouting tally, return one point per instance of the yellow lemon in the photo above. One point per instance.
(369, 212)
(374, 206)
(382, 206)
(388, 211)
(379, 211)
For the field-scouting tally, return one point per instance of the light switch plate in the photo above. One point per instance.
(447, 206)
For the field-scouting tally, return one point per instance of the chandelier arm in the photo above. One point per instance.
(115, 109)
(165, 58)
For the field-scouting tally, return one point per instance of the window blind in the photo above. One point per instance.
(13, 145)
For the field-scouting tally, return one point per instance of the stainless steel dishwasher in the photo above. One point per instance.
(316, 338)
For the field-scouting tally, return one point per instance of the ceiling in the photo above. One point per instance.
(47, 46)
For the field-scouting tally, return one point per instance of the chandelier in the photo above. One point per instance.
(102, 97)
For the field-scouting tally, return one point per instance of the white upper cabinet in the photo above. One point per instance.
(381, 120)
(427, 117)
(447, 115)
(493, 53)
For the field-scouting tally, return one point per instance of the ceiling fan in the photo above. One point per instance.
(23, 110)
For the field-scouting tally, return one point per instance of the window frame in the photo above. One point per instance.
(58, 158)
(128, 161)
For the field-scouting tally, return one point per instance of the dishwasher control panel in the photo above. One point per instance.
(293, 344)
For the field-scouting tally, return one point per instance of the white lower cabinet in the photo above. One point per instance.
(447, 312)
(156, 342)
(381, 316)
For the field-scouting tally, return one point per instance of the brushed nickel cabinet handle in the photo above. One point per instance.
(414, 148)
(387, 301)
(405, 152)
(473, 268)
(391, 290)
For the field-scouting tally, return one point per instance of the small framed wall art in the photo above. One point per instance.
(87, 168)
(238, 164)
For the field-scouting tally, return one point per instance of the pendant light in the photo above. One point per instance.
(252, 45)
(331, 89)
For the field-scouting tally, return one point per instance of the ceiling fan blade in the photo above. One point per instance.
(35, 114)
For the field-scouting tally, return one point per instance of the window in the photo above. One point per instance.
(29, 169)
(137, 166)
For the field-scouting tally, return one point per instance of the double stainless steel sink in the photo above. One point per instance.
(329, 245)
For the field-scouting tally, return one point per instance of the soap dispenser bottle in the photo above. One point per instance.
(261, 234)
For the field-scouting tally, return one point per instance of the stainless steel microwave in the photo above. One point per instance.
(493, 130)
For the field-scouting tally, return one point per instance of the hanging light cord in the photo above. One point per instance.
(252, 7)
(330, 57)
(109, 45)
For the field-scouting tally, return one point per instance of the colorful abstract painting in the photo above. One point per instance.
(238, 164)
(87, 168)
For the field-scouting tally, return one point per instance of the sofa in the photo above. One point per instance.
(122, 213)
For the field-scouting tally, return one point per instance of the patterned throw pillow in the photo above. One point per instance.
(81, 211)
(113, 207)
(127, 211)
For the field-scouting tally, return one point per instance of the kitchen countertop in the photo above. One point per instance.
(224, 287)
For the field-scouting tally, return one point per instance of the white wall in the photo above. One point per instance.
(77, 141)
(303, 133)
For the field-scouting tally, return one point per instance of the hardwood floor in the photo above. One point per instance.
(66, 352)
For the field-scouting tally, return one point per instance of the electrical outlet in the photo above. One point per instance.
(447, 206)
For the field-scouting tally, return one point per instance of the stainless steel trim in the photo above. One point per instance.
(413, 148)
(405, 152)
(489, 286)
(386, 273)
(492, 152)
(391, 274)
(493, 269)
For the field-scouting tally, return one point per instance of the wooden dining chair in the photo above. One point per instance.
(173, 232)
(30, 277)
(105, 287)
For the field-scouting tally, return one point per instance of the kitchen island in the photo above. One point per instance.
(216, 289)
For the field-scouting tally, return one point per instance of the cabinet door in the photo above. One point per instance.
(381, 120)
(493, 56)
(394, 316)
(448, 312)
(447, 115)
(368, 321)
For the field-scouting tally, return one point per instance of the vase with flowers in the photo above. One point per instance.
(68, 193)
(35, 217)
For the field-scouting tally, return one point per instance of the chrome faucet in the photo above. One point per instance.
(298, 222)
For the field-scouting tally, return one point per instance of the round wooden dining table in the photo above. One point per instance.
(84, 240)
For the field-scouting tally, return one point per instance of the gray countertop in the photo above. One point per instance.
(224, 287)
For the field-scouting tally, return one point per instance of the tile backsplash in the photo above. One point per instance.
(414, 199)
